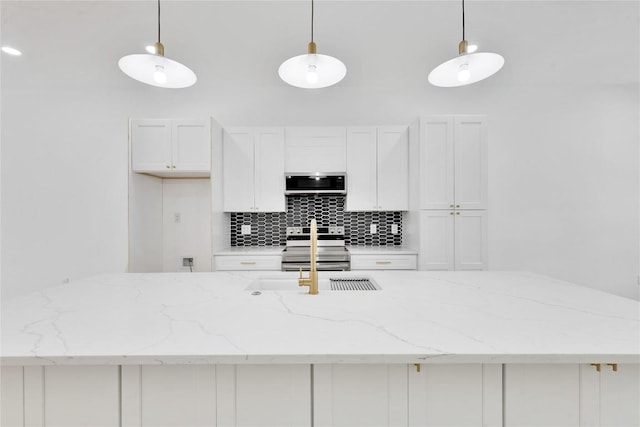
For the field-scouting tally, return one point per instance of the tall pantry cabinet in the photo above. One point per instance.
(453, 193)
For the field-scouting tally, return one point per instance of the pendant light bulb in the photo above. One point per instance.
(159, 76)
(312, 74)
(463, 73)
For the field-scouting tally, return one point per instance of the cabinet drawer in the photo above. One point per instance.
(383, 262)
(248, 262)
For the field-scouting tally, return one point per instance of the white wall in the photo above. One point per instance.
(563, 148)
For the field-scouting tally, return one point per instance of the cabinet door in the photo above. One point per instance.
(470, 230)
(238, 170)
(393, 168)
(542, 395)
(191, 145)
(620, 395)
(150, 145)
(315, 149)
(436, 240)
(360, 395)
(12, 392)
(436, 163)
(81, 396)
(263, 395)
(455, 395)
(470, 163)
(361, 169)
(269, 170)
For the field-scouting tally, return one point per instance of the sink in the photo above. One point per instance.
(331, 283)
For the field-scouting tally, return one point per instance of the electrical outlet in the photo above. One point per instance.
(245, 229)
(373, 228)
(394, 228)
(187, 262)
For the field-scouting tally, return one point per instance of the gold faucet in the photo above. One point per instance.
(312, 280)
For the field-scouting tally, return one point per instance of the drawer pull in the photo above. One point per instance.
(248, 262)
(383, 262)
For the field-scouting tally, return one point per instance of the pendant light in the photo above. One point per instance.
(312, 70)
(467, 67)
(156, 69)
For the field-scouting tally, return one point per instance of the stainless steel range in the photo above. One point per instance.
(332, 253)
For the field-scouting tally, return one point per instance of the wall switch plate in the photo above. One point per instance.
(245, 229)
(373, 228)
(394, 228)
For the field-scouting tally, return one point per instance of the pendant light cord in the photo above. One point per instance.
(312, 9)
(462, 20)
(158, 21)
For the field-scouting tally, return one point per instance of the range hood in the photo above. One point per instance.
(315, 183)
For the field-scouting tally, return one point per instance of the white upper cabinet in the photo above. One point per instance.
(171, 147)
(453, 162)
(377, 169)
(253, 170)
(315, 149)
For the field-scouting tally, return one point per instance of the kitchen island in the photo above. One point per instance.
(201, 349)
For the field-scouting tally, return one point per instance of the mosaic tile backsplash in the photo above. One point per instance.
(268, 228)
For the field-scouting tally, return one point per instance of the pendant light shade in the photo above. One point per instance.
(156, 69)
(467, 67)
(312, 71)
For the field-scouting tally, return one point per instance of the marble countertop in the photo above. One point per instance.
(418, 317)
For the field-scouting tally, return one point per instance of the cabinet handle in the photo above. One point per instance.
(248, 262)
(597, 366)
(173, 166)
(450, 213)
(451, 206)
(457, 213)
(417, 365)
(614, 366)
(457, 206)
(383, 262)
(168, 167)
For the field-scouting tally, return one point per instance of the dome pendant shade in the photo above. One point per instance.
(147, 68)
(478, 66)
(312, 71)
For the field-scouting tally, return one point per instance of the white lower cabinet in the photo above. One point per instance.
(383, 262)
(360, 395)
(558, 395)
(456, 395)
(12, 396)
(453, 240)
(247, 262)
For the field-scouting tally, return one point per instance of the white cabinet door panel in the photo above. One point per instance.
(178, 395)
(191, 148)
(81, 396)
(542, 395)
(436, 163)
(470, 163)
(269, 170)
(470, 229)
(150, 145)
(620, 395)
(436, 240)
(238, 170)
(393, 168)
(12, 393)
(361, 169)
(315, 149)
(360, 395)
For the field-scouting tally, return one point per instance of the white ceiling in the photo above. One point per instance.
(389, 47)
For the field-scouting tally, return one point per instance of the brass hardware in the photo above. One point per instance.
(450, 213)
(247, 262)
(462, 47)
(451, 206)
(168, 167)
(159, 48)
(457, 206)
(597, 366)
(417, 365)
(457, 213)
(311, 48)
(173, 166)
(614, 366)
(312, 280)
(383, 262)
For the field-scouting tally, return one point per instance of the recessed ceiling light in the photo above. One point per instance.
(11, 51)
